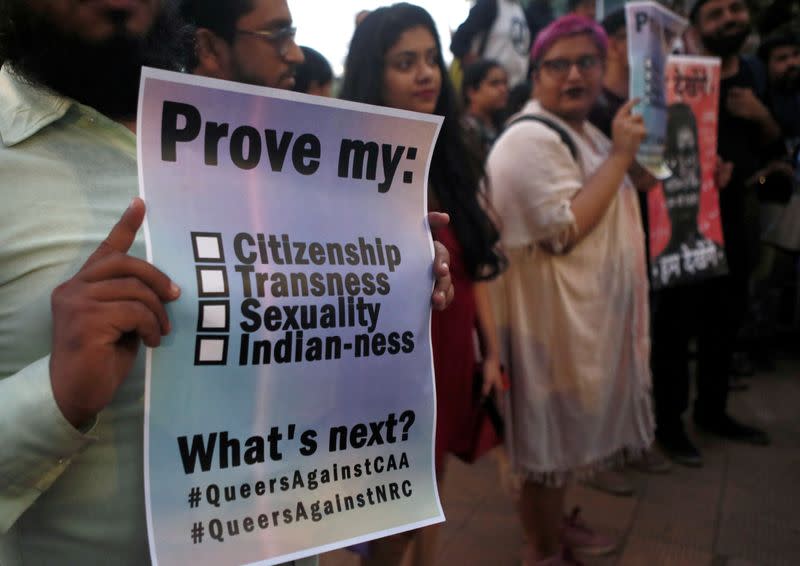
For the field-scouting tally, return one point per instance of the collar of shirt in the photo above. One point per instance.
(26, 108)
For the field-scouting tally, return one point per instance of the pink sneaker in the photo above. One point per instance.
(579, 537)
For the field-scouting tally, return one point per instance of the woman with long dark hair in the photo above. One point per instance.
(396, 60)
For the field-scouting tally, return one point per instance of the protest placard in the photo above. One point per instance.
(686, 241)
(652, 33)
(605, 7)
(291, 410)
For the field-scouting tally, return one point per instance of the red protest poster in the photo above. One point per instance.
(686, 242)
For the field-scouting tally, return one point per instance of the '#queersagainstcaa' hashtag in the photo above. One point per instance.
(197, 532)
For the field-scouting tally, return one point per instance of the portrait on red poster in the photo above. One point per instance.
(686, 241)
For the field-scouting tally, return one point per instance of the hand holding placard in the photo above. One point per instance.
(100, 316)
(628, 130)
(443, 291)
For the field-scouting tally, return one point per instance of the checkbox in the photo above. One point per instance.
(211, 351)
(207, 247)
(212, 281)
(213, 316)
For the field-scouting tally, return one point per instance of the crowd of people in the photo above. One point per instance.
(544, 257)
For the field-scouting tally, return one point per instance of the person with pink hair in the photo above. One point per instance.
(572, 306)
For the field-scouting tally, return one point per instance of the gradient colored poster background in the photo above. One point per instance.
(273, 485)
(693, 81)
(652, 31)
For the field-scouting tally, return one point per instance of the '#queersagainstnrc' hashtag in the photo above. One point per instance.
(197, 532)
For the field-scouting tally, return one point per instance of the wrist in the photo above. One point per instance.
(75, 415)
(622, 158)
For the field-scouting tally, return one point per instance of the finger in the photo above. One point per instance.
(441, 260)
(131, 289)
(450, 295)
(438, 220)
(133, 316)
(443, 286)
(439, 300)
(119, 266)
(635, 125)
(627, 108)
(123, 233)
(443, 292)
(486, 388)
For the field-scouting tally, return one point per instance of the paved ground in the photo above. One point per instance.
(741, 509)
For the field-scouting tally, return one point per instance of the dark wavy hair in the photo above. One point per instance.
(456, 172)
(474, 74)
(218, 16)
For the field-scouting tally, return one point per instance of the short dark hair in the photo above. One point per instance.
(694, 10)
(219, 16)
(474, 74)
(775, 40)
(614, 22)
(572, 5)
(314, 68)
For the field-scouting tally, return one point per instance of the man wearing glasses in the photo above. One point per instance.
(248, 41)
(76, 299)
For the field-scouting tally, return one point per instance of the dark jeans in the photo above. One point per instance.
(712, 312)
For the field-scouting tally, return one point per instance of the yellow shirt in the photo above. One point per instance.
(66, 174)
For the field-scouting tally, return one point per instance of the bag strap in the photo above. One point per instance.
(562, 133)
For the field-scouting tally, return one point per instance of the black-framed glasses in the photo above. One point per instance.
(561, 66)
(282, 38)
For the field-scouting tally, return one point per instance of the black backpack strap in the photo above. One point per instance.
(562, 133)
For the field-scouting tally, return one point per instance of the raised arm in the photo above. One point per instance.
(591, 202)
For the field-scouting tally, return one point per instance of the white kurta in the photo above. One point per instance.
(574, 325)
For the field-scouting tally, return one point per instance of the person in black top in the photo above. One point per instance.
(713, 310)
(539, 14)
(616, 80)
(775, 278)
(780, 54)
(499, 30)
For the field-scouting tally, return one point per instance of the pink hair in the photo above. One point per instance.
(567, 26)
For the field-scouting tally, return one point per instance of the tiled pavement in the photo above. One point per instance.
(741, 509)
